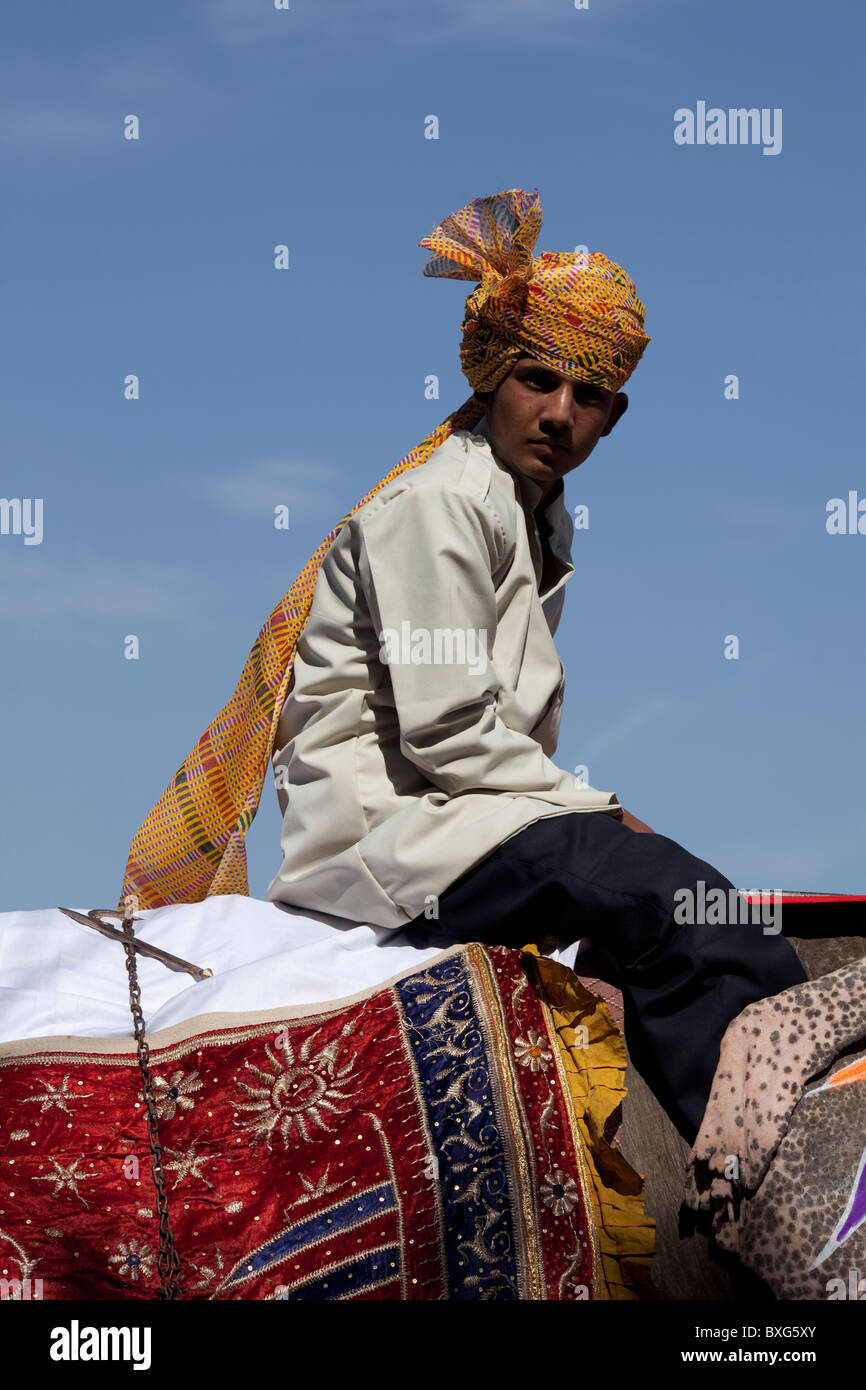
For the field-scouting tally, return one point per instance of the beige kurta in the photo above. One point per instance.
(424, 709)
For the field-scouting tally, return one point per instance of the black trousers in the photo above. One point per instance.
(585, 874)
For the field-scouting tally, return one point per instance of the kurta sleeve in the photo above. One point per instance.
(428, 559)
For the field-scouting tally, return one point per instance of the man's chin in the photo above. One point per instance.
(543, 466)
(535, 465)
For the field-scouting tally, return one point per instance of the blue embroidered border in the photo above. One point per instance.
(450, 1053)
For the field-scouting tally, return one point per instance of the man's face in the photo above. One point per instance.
(544, 423)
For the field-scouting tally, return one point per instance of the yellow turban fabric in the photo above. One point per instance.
(578, 313)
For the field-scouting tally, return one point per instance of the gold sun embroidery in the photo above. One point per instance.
(297, 1092)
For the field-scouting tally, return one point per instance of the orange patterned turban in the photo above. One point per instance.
(578, 314)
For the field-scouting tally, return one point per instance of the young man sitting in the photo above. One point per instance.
(413, 754)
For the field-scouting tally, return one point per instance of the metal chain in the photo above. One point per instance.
(168, 1264)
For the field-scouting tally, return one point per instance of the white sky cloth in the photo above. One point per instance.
(59, 978)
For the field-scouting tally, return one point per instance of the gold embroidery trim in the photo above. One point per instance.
(577, 1142)
(516, 1155)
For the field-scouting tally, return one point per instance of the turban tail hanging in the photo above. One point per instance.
(578, 313)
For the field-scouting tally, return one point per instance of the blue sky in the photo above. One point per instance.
(306, 127)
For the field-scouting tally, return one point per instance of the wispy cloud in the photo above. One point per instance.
(35, 587)
(48, 112)
(51, 127)
(255, 489)
(400, 24)
(146, 75)
(620, 732)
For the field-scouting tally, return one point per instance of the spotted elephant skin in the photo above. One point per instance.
(778, 1163)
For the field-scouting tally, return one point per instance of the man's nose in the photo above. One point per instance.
(558, 409)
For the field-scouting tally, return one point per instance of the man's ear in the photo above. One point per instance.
(620, 406)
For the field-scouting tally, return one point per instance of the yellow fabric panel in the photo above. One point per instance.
(594, 1064)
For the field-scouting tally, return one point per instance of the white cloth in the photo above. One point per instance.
(59, 978)
(400, 766)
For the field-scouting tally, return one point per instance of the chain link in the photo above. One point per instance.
(168, 1265)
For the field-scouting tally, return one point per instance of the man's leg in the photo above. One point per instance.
(585, 874)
